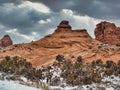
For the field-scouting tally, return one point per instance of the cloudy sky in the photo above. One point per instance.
(27, 20)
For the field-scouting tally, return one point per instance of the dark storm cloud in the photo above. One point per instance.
(27, 22)
(10, 1)
(56, 5)
(23, 19)
(13, 17)
(103, 9)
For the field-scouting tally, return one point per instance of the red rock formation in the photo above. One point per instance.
(67, 42)
(63, 26)
(44, 51)
(63, 36)
(107, 32)
(6, 41)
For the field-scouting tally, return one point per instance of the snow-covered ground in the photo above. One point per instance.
(108, 83)
(14, 85)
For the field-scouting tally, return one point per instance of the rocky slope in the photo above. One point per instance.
(64, 36)
(107, 33)
(64, 41)
(6, 41)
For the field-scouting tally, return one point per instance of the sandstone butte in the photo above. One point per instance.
(6, 41)
(107, 33)
(67, 42)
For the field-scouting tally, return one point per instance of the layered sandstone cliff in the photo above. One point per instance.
(107, 32)
(63, 41)
(64, 35)
(68, 42)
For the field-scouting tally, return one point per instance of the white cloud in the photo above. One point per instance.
(11, 31)
(73, 15)
(44, 21)
(79, 21)
(30, 37)
(35, 6)
(67, 11)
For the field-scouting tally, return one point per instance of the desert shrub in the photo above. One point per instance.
(96, 77)
(79, 73)
(111, 68)
(99, 62)
(59, 58)
(77, 65)
(76, 73)
(67, 65)
(109, 63)
(55, 81)
(70, 79)
(77, 81)
(108, 72)
(79, 59)
(7, 58)
(93, 64)
(86, 80)
(19, 66)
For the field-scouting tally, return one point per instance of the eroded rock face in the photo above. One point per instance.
(6, 41)
(63, 26)
(107, 32)
(63, 36)
(64, 41)
(68, 42)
